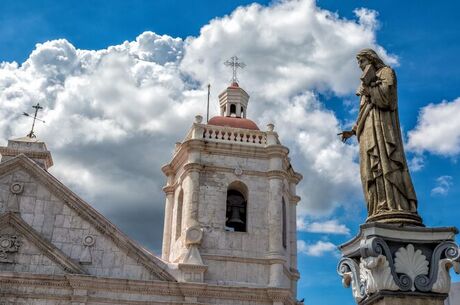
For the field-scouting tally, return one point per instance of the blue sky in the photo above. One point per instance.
(420, 38)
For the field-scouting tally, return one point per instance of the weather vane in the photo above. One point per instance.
(37, 107)
(235, 64)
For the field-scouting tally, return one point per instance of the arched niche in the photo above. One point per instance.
(236, 207)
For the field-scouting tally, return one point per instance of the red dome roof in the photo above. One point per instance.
(233, 122)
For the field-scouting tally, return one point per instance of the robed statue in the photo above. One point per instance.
(387, 186)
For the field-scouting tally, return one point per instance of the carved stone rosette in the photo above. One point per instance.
(9, 244)
(388, 259)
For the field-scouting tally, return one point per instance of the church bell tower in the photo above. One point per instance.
(230, 213)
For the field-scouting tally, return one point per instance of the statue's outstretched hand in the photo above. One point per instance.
(346, 134)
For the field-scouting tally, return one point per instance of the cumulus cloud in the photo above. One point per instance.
(113, 115)
(289, 47)
(438, 129)
(443, 184)
(320, 248)
(328, 226)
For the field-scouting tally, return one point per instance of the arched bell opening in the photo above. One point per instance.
(232, 110)
(236, 207)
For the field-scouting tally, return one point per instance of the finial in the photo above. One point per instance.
(235, 64)
(37, 107)
(270, 126)
(198, 119)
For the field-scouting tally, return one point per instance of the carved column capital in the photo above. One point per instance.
(402, 265)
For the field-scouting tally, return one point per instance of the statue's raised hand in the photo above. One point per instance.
(346, 134)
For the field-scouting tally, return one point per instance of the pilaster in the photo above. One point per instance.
(167, 234)
(275, 225)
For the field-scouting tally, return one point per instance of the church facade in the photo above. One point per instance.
(229, 230)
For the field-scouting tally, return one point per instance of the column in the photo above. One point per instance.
(169, 204)
(191, 194)
(238, 109)
(293, 235)
(275, 229)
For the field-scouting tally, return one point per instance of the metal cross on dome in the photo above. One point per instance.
(235, 64)
(37, 107)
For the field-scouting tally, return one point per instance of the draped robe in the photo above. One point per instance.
(384, 173)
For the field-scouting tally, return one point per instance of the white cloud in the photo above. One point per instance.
(443, 184)
(319, 248)
(367, 17)
(113, 115)
(416, 163)
(438, 129)
(329, 226)
(289, 47)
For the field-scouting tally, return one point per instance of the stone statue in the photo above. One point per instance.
(385, 177)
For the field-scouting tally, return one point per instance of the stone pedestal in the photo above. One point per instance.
(395, 265)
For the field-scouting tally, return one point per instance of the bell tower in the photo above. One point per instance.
(230, 213)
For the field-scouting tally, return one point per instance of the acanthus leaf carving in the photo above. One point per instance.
(376, 274)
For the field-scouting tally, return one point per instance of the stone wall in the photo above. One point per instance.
(61, 225)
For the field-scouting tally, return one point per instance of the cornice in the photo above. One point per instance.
(294, 199)
(207, 168)
(43, 155)
(180, 156)
(277, 150)
(167, 169)
(169, 189)
(17, 279)
(238, 259)
(277, 174)
(193, 167)
(149, 288)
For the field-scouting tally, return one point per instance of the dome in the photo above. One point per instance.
(234, 122)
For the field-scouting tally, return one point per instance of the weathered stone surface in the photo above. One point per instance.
(234, 258)
(387, 186)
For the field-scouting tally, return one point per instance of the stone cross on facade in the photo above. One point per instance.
(37, 108)
(235, 64)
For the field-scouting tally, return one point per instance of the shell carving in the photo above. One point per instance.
(411, 262)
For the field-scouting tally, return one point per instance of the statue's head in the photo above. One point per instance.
(369, 56)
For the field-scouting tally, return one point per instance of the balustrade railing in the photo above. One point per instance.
(228, 135)
(234, 135)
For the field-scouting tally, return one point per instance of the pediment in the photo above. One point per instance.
(83, 212)
(16, 235)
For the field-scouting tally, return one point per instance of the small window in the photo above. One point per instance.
(242, 112)
(236, 211)
(179, 204)
(284, 225)
(232, 109)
